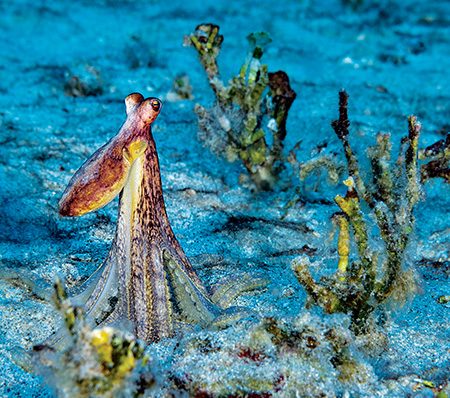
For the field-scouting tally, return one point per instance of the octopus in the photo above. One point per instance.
(146, 280)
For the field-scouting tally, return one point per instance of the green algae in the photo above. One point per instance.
(248, 120)
(360, 286)
(102, 362)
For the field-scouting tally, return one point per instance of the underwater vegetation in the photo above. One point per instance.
(146, 279)
(321, 170)
(270, 357)
(248, 119)
(360, 286)
(303, 357)
(438, 156)
(100, 362)
(181, 89)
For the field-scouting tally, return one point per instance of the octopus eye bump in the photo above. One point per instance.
(156, 105)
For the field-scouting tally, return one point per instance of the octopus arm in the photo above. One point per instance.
(101, 178)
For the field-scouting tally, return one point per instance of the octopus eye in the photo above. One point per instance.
(156, 105)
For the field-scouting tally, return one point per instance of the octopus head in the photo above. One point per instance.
(147, 109)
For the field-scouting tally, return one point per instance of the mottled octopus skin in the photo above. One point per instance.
(146, 280)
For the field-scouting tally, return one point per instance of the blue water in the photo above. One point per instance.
(393, 59)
